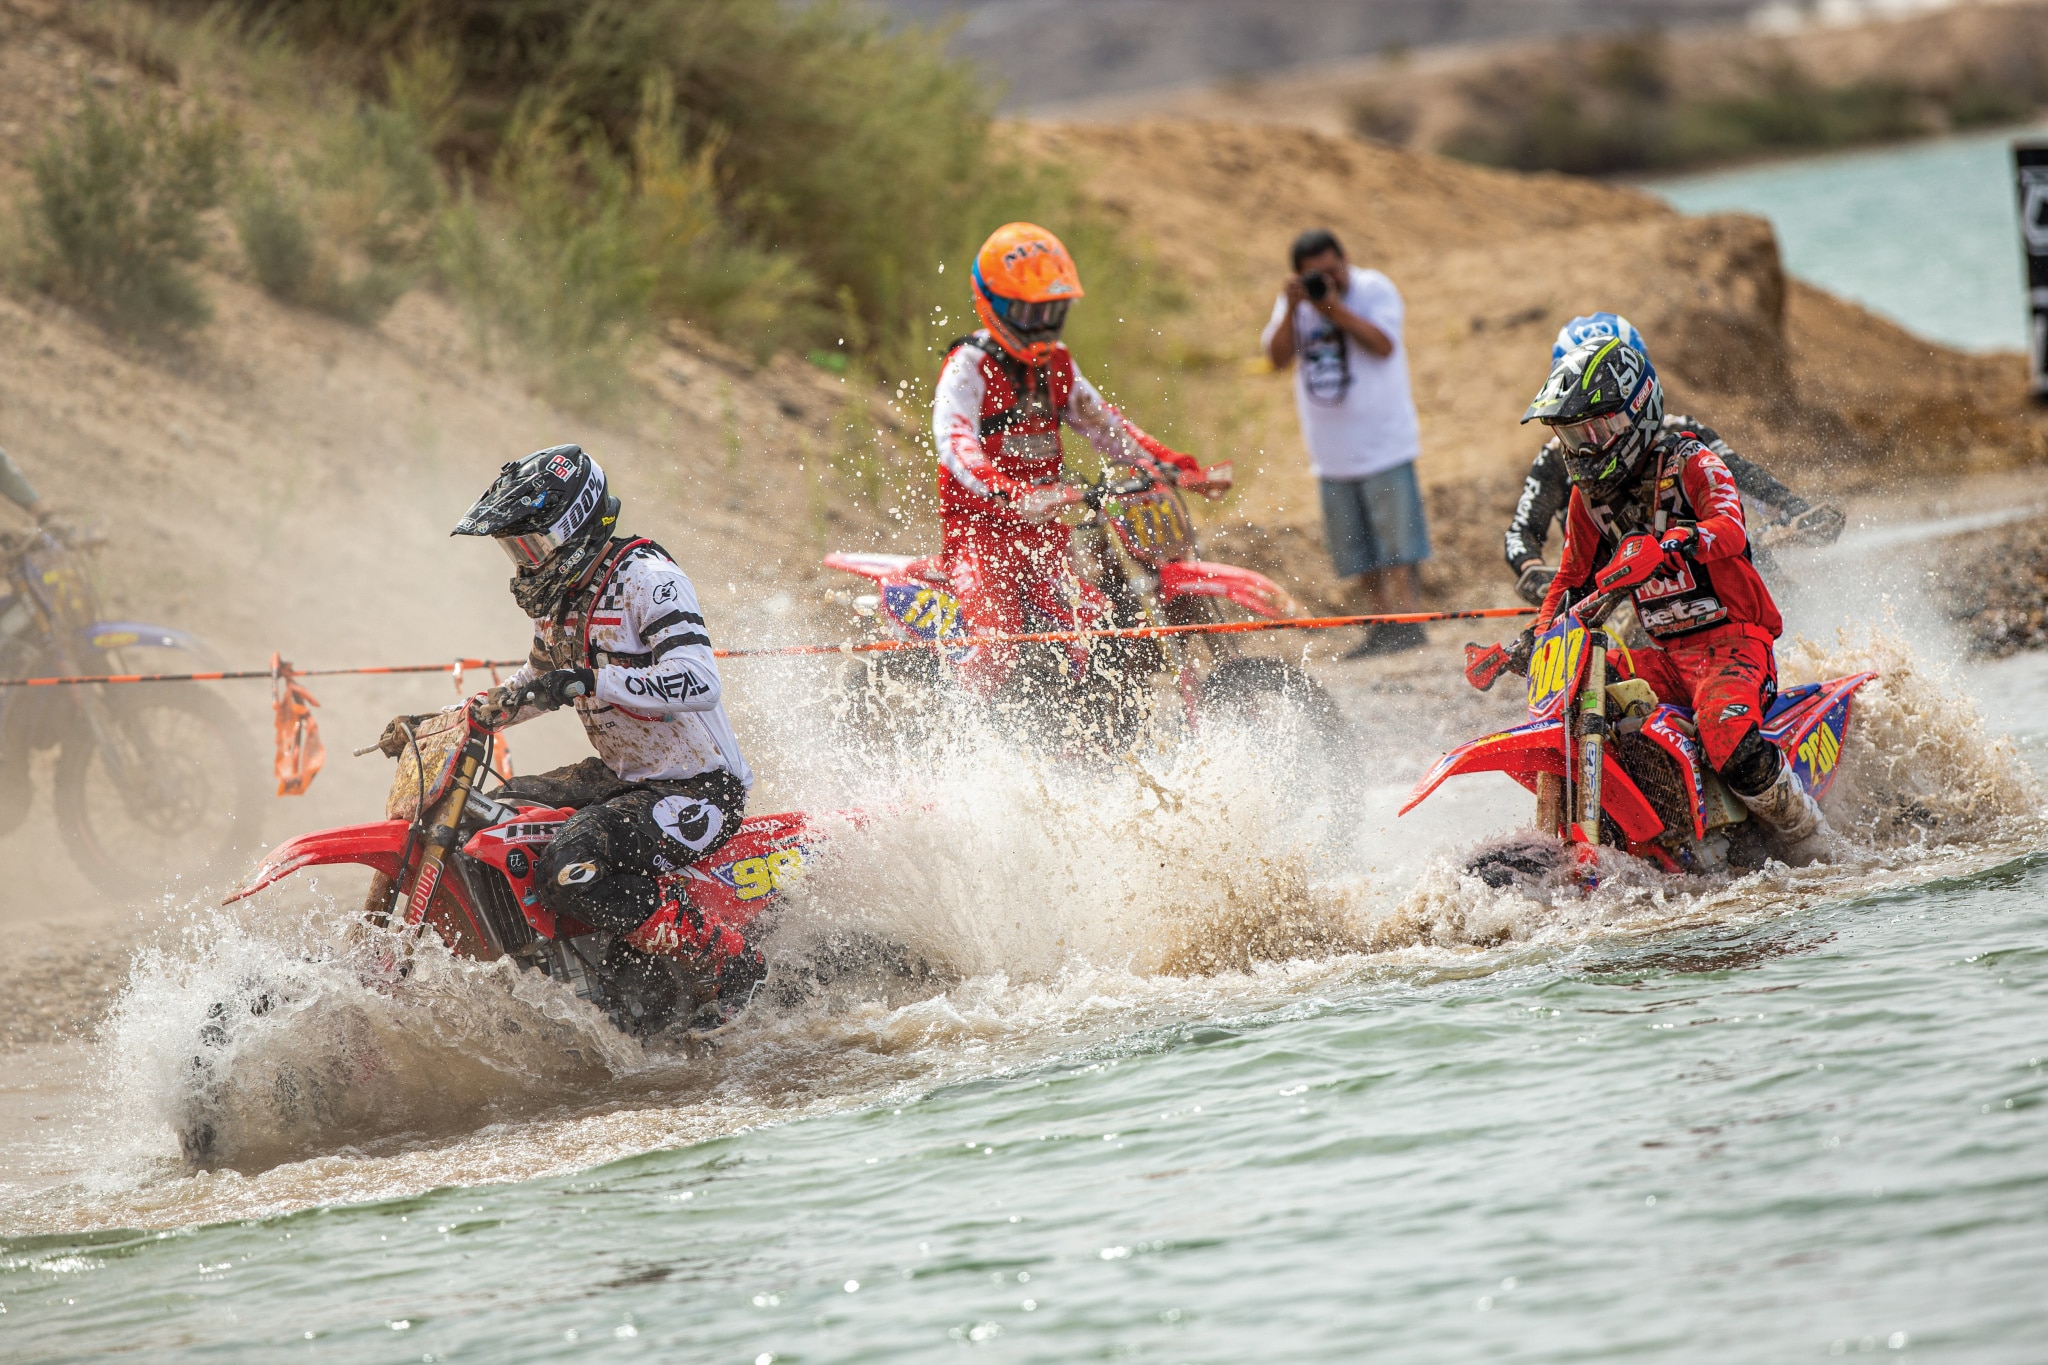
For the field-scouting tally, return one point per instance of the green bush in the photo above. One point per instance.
(116, 215)
(277, 241)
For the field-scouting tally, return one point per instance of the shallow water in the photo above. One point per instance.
(1925, 234)
(1781, 1117)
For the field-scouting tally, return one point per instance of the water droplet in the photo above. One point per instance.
(625, 1330)
(1484, 1303)
(852, 1286)
(1897, 1341)
(400, 1324)
(1509, 1283)
(1649, 1199)
(1030, 1305)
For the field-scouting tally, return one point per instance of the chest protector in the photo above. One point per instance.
(565, 636)
(1680, 600)
(1020, 410)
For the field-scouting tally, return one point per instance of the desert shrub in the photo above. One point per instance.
(277, 241)
(116, 216)
(580, 248)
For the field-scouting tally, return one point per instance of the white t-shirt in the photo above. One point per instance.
(1357, 415)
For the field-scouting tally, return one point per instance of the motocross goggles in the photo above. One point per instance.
(1029, 319)
(530, 550)
(1594, 435)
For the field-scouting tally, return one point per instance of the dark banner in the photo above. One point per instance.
(2030, 169)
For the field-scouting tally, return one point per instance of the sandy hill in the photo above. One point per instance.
(1490, 264)
(285, 481)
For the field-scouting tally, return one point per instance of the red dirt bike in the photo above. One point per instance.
(1612, 766)
(1136, 542)
(451, 859)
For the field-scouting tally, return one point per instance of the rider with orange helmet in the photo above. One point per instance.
(1002, 397)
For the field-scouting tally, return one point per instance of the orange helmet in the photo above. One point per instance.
(1023, 281)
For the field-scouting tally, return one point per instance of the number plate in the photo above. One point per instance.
(1554, 668)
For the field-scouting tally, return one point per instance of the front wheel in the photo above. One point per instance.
(167, 786)
(1257, 689)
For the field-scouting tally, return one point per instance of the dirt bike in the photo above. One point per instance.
(450, 859)
(153, 782)
(1136, 542)
(1612, 766)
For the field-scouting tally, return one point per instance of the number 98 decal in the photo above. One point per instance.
(754, 878)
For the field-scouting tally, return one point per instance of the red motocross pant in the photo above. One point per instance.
(1723, 674)
(1016, 576)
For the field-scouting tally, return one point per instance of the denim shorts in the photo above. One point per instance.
(1376, 522)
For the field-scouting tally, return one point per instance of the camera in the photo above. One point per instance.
(1316, 284)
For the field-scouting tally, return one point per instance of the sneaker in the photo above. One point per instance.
(1391, 637)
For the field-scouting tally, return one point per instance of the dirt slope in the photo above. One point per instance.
(1490, 264)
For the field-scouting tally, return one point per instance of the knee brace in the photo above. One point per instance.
(589, 872)
(1753, 766)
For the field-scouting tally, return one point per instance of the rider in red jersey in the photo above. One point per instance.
(1001, 399)
(1656, 512)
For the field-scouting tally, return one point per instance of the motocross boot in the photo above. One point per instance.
(1792, 815)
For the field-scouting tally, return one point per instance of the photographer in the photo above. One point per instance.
(1358, 420)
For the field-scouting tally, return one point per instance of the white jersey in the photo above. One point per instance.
(657, 712)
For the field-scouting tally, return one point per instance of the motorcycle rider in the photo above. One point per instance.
(1002, 396)
(1546, 489)
(619, 635)
(1656, 511)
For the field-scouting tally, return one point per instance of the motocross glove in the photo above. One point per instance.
(1680, 540)
(1636, 561)
(558, 688)
(1534, 584)
(1039, 504)
(398, 732)
(1820, 525)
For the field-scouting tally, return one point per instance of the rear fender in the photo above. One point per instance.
(377, 846)
(1253, 591)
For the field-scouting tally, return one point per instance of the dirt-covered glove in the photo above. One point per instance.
(1534, 584)
(1039, 504)
(558, 688)
(1820, 525)
(398, 732)
(1636, 561)
(1680, 540)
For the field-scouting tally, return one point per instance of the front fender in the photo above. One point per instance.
(1255, 592)
(130, 634)
(1528, 751)
(375, 846)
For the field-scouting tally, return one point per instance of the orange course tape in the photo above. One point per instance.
(300, 754)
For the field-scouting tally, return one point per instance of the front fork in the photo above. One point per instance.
(1585, 831)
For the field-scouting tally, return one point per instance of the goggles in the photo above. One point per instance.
(1049, 316)
(531, 550)
(1595, 434)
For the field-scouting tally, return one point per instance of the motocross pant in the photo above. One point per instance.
(601, 867)
(1729, 677)
(1012, 577)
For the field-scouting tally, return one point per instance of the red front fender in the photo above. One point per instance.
(1528, 751)
(1255, 592)
(375, 846)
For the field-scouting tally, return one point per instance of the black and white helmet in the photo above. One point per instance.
(1605, 404)
(552, 514)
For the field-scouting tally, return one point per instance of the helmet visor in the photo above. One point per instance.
(1046, 317)
(531, 550)
(1595, 434)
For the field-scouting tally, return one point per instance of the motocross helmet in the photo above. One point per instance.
(1605, 405)
(552, 513)
(1023, 281)
(1597, 326)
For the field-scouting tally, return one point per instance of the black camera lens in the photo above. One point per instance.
(1317, 284)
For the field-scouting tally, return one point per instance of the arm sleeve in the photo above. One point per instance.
(1720, 533)
(1115, 436)
(956, 426)
(1581, 543)
(535, 665)
(1374, 298)
(1274, 323)
(661, 608)
(14, 484)
(1544, 493)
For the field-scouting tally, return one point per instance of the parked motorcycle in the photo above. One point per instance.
(1613, 766)
(153, 782)
(1136, 542)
